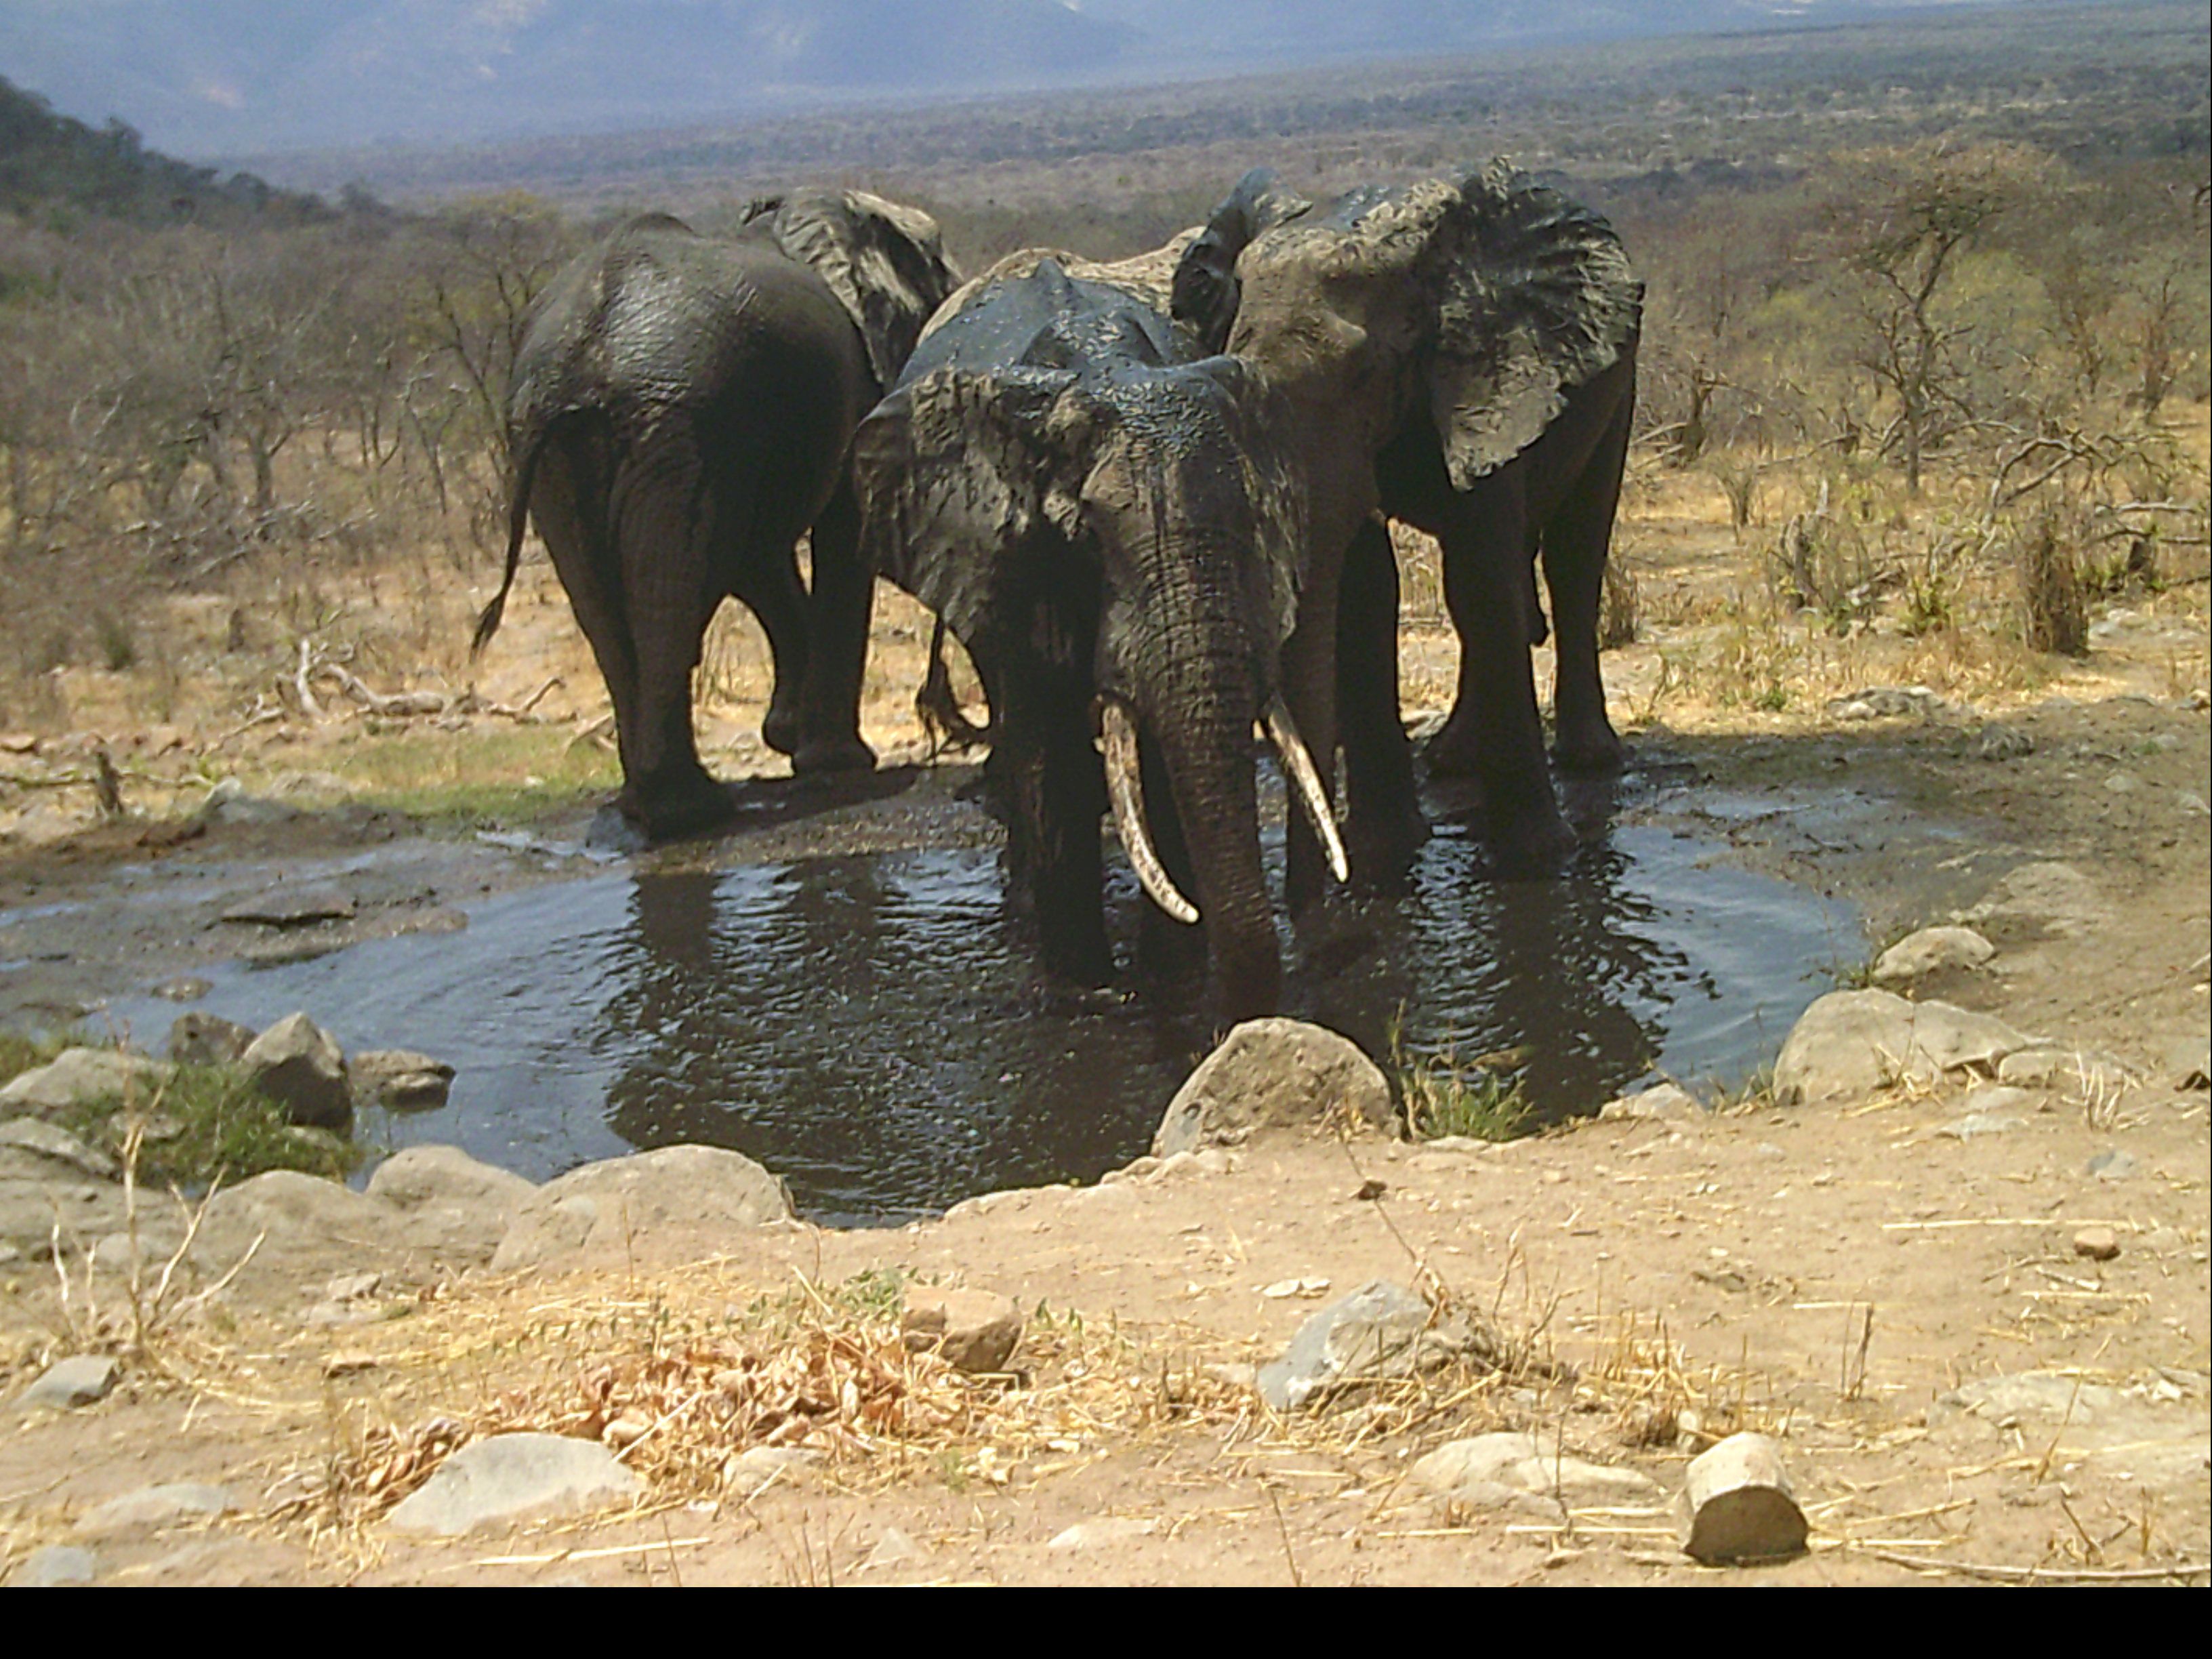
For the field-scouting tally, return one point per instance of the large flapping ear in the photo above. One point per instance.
(1272, 485)
(1203, 297)
(1534, 298)
(885, 262)
(958, 474)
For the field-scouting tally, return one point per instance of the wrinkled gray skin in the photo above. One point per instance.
(1459, 354)
(680, 415)
(1091, 510)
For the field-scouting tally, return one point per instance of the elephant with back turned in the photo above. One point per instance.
(680, 415)
(1459, 354)
(1091, 506)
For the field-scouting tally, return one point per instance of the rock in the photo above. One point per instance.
(1887, 702)
(2002, 743)
(1470, 1473)
(1272, 1072)
(186, 988)
(469, 1206)
(83, 1077)
(1974, 1124)
(1930, 950)
(893, 1549)
(2056, 897)
(2188, 1062)
(515, 1477)
(599, 1206)
(308, 1227)
(1740, 1506)
(1114, 1529)
(2112, 1165)
(2098, 1243)
(53, 1565)
(401, 1078)
(1663, 1103)
(159, 1506)
(1379, 1330)
(84, 1380)
(299, 1066)
(2081, 1071)
(975, 1330)
(287, 906)
(198, 1039)
(755, 1468)
(56, 1145)
(36, 1193)
(1852, 1042)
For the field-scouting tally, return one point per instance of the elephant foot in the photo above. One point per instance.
(825, 755)
(1381, 849)
(1592, 752)
(672, 815)
(1531, 844)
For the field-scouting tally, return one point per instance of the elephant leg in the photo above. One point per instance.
(1309, 692)
(1486, 584)
(766, 584)
(844, 595)
(1383, 821)
(1048, 778)
(665, 530)
(1578, 541)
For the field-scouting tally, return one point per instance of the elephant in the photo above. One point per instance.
(1087, 502)
(1459, 354)
(681, 412)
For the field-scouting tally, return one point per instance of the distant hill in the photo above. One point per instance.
(233, 77)
(50, 161)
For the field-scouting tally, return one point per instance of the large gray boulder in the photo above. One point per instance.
(515, 1477)
(1274, 1072)
(600, 1208)
(299, 1066)
(1852, 1042)
(83, 1077)
(446, 1193)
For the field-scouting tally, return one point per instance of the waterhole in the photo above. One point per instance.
(873, 1029)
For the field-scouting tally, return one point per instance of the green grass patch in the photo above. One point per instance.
(478, 779)
(1444, 1095)
(210, 1121)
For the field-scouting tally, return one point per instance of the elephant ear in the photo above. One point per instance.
(1204, 295)
(885, 262)
(1272, 486)
(957, 474)
(1534, 298)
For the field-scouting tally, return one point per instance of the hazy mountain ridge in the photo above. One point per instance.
(224, 77)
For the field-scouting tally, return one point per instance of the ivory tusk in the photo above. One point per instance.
(1305, 784)
(1125, 789)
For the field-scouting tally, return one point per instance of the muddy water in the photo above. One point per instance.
(871, 1027)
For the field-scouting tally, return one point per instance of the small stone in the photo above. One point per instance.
(1270, 1073)
(2112, 1165)
(515, 1477)
(1289, 1287)
(204, 1039)
(55, 1564)
(1930, 950)
(56, 1145)
(893, 1549)
(299, 1066)
(2002, 743)
(754, 1468)
(400, 1078)
(350, 1361)
(2098, 1243)
(1379, 1330)
(161, 1506)
(82, 1380)
(1740, 1506)
(1090, 1535)
(286, 905)
(1663, 1103)
(975, 1330)
(186, 988)
(1471, 1472)
(1974, 1124)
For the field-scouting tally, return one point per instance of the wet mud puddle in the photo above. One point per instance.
(872, 1028)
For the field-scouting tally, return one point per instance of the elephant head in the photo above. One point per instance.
(1480, 302)
(885, 262)
(1104, 520)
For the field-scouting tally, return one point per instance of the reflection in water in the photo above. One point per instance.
(871, 1029)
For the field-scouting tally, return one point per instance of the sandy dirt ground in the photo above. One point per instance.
(1834, 1275)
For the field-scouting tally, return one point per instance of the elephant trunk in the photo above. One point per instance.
(1196, 696)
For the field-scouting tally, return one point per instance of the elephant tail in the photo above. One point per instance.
(518, 518)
